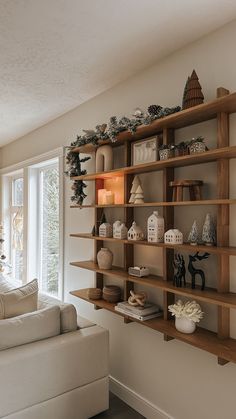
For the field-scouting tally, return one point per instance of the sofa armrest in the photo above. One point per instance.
(82, 323)
(45, 369)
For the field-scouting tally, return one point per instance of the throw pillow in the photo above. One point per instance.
(30, 327)
(19, 300)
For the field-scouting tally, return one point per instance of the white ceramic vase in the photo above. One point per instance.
(104, 158)
(185, 325)
(105, 258)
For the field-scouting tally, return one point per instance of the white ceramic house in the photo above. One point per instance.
(173, 236)
(155, 228)
(115, 225)
(135, 232)
(120, 232)
(105, 230)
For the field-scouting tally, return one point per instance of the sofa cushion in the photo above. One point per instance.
(19, 300)
(42, 370)
(68, 312)
(29, 327)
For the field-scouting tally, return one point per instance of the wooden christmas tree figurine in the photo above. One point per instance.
(185, 92)
(193, 92)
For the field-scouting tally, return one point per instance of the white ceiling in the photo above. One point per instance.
(56, 54)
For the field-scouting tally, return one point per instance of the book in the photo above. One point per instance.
(137, 316)
(148, 308)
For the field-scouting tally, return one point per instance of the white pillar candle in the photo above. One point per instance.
(101, 196)
(109, 198)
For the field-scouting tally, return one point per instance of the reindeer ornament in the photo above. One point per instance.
(179, 265)
(193, 271)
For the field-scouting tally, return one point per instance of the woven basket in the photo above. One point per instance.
(94, 293)
(111, 293)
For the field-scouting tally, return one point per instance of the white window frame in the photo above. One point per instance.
(29, 168)
(9, 209)
(38, 177)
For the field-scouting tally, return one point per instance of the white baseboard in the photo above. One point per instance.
(137, 402)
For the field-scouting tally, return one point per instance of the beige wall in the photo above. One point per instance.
(183, 381)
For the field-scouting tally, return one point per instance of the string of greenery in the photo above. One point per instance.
(106, 133)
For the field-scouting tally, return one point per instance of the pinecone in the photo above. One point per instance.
(154, 110)
(113, 120)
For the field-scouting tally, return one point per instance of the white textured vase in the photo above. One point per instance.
(104, 158)
(104, 258)
(185, 325)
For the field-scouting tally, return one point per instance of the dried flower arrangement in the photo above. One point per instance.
(190, 310)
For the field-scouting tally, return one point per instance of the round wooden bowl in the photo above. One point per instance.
(111, 293)
(94, 293)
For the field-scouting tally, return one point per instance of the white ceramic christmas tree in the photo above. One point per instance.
(139, 195)
(209, 231)
(136, 193)
(193, 236)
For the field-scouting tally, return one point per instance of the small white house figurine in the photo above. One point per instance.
(105, 230)
(155, 228)
(116, 224)
(173, 236)
(120, 231)
(135, 232)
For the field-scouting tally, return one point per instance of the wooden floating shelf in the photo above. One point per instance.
(194, 115)
(184, 203)
(209, 295)
(186, 246)
(202, 338)
(162, 204)
(189, 160)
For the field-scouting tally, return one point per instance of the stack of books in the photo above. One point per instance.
(147, 312)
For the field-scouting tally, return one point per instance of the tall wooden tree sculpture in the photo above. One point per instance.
(185, 92)
(193, 92)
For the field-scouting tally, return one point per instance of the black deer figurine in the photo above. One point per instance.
(179, 264)
(193, 271)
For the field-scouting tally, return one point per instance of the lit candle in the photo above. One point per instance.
(109, 198)
(101, 196)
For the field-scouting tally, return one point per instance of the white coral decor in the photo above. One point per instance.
(190, 310)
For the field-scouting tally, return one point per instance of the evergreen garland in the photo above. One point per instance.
(107, 133)
(73, 162)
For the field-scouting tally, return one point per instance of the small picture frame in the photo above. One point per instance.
(145, 151)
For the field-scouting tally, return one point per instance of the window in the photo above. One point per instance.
(49, 229)
(16, 227)
(33, 223)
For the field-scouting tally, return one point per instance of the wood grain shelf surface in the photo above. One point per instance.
(201, 338)
(189, 160)
(194, 115)
(162, 204)
(209, 295)
(186, 246)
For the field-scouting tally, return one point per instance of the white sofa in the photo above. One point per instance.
(62, 377)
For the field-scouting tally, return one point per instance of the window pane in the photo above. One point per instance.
(50, 230)
(17, 228)
(17, 192)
